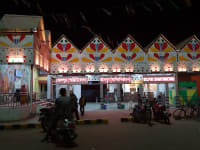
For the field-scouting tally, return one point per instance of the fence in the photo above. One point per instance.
(15, 100)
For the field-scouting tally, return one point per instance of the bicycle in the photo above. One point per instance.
(185, 112)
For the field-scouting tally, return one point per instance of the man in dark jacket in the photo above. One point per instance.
(63, 108)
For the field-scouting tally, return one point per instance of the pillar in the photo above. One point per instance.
(167, 95)
(177, 102)
(101, 96)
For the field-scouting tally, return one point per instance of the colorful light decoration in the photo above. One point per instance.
(76, 70)
(182, 69)
(63, 70)
(90, 68)
(155, 68)
(12, 59)
(116, 69)
(196, 68)
(103, 69)
(168, 68)
(129, 69)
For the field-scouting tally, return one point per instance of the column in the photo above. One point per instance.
(101, 96)
(177, 102)
(49, 87)
(167, 95)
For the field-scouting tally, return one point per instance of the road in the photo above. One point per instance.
(115, 135)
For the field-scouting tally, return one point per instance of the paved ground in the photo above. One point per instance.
(115, 135)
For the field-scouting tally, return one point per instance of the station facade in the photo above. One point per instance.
(159, 70)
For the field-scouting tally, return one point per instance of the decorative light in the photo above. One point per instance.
(63, 70)
(129, 69)
(195, 69)
(103, 69)
(116, 69)
(90, 69)
(168, 68)
(155, 68)
(182, 69)
(76, 70)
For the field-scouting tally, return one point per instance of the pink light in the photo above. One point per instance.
(159, 79)
(67, 80)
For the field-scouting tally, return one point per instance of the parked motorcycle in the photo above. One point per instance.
(160, 113)
(142, 113)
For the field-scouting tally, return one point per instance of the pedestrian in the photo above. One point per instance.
(82, 103)
(74, 104)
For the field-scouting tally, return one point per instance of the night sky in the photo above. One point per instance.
(112, 19)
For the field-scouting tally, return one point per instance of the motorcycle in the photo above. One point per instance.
(45, 116)
(64, 130)
(142, 113)
(160, 113)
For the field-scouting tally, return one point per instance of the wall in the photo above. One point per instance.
(9, 114)
(197, 79)
(191, 77)
(8, 81)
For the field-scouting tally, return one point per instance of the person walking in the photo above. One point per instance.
(74, 104)
(82, 103)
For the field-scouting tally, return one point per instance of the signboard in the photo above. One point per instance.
(157, 79)
(71, 80)
(116, 79)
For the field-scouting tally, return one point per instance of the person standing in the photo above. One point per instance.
(74, 105)
(82, 103)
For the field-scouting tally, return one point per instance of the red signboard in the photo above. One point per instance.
(71, 80)
(115, 79)
(159, 79)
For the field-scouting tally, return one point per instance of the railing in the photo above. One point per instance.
(15, 100)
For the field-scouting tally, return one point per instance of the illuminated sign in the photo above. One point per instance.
(15, 59)
(70, 80)
(115, 79)
(159, 79)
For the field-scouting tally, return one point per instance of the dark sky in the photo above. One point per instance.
(113, 19)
